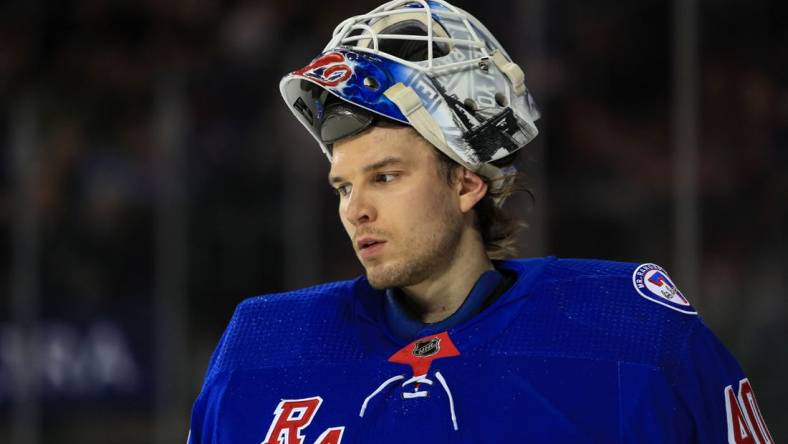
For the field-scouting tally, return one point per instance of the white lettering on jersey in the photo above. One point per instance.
(292, 416)
(744, 418)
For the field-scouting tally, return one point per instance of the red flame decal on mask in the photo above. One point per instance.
(328, 70)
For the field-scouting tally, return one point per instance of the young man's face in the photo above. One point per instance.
(401, 214)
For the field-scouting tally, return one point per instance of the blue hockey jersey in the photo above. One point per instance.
(574, 351)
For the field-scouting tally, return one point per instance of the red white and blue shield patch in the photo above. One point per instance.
(653, 283)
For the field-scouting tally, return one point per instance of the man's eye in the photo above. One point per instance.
(342, 190)
(385, 177)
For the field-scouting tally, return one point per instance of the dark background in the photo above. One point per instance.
(151, 178)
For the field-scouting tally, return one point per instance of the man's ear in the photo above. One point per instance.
(471, 189)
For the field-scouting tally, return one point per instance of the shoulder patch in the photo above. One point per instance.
(653, 283)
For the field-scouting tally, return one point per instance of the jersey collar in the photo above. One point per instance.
(405, 327)
(481, 327)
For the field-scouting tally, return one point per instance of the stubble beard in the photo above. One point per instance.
(430, 256)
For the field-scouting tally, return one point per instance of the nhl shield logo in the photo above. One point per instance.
(420, 353)
(427, 348)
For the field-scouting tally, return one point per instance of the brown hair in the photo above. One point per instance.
(499, 230)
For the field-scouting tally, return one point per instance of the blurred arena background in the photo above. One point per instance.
(151, 178)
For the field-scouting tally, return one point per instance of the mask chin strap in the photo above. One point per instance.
(411, 107)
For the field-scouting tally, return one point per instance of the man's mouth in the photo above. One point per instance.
(368, 246)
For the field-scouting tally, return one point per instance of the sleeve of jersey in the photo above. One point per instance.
(716, 393)
(205, 412)
(205, 407)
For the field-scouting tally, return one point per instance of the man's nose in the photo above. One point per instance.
(360, 208)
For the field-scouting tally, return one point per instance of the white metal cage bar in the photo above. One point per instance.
(341, 33)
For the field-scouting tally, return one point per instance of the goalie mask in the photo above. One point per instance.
(427, 64)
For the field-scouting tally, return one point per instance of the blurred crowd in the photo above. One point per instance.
(98, 74)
